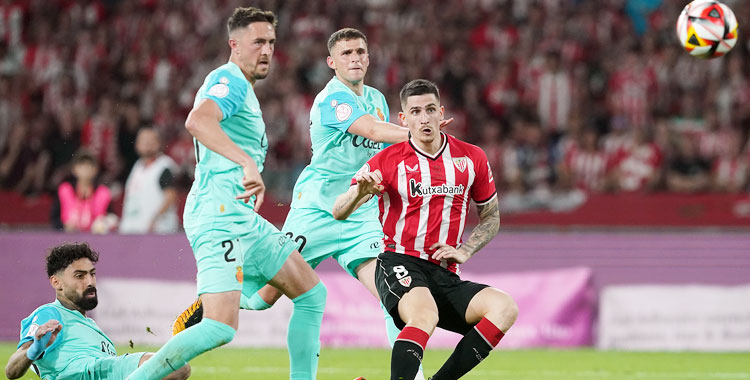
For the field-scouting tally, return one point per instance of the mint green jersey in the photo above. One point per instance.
(218, 180)
(78, 345)
(338, 154)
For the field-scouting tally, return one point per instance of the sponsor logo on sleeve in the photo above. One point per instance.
(343, 111)
(220, 90)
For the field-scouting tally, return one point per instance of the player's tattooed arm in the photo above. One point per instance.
(368, 184)
(489, 225)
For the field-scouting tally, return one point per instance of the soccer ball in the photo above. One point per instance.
(707, 29)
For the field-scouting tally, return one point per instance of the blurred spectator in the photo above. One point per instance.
(66, 141)
(555, 95)
(150, 195)
(82, 201)
(732, 168)
(636, 166)
(97, 71)
(687, 171)
(585, 164)
(99, 136)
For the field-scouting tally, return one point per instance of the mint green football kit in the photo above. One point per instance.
(337, 156)
(81, 350)
(234, 247)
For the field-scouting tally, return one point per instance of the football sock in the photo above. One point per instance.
(407, 353)
(393, 331)
(303, 336)
(472, 349)
(183, 347)
(254, 302)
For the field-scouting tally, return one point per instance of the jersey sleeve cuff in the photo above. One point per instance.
(488, 200)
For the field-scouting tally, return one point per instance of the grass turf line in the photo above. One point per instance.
(585, 364)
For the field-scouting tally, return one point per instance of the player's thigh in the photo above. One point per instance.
(494, 304)
(265, 250)
(315, 233)
(113, 367)
(453, 297)
(418, 308)
(395, 276)
(366, 275)
(359, 242)
(295, 277)
(219, 260)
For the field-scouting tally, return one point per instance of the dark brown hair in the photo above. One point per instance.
(243, 17)
(345, 34)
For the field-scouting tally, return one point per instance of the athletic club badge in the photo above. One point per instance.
(460, 163)
(406, 281)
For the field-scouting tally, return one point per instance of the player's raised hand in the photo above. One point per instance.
(53, 327)
(449, 253)
(370, 182)
(44, 336)
(445, 122)
(253, 184)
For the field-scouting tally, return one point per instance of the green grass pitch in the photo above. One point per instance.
(347, 364)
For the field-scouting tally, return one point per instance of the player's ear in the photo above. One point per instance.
(330, 62)
(232, 44)
(55, 282)
(402, 118)
(442, 112)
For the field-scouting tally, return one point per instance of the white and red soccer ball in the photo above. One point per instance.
(707, 29)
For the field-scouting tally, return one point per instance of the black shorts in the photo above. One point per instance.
(396, 274)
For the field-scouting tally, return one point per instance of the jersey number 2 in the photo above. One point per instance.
(224, 245)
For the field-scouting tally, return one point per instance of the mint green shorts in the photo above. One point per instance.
(112, 368)
(238, 255)
(319, 236)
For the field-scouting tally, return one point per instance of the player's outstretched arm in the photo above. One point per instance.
(489, 225)
(368, 184)
(21, 360)
(380, 131)
(203, 124)
(18, 363)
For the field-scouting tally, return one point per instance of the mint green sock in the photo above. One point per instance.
(303, 336)
(392, 331)
(254, 302)
(204, 336)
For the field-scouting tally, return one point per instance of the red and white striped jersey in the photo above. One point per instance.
(426, 197)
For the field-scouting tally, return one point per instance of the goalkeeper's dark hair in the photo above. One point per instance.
(418, 87)
(61, 256)
(345, 34)
(243, 17)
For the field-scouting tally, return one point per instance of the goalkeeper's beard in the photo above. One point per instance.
(86, 302)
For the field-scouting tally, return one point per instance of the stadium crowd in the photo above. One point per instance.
(565, 96)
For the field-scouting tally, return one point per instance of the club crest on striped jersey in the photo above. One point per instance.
(461, 163)
(406, 281)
